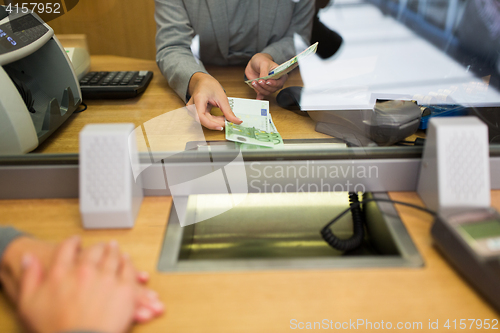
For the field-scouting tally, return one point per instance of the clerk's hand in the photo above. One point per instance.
(206, 92)
(259, 66)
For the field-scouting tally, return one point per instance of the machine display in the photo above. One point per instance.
(484, 229)
(20, 32)
(470, 240)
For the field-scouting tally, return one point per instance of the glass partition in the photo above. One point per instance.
(352, 123)
(400, 62)
(443, 55)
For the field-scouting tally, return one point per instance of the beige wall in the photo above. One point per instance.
(118, 27)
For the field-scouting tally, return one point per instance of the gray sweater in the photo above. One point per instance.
(7, 235)
(225, 30)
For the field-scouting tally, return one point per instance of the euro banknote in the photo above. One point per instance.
(287, 66)
(257, 128)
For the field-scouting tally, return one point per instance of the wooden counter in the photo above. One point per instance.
(159, 99)
(257, 301)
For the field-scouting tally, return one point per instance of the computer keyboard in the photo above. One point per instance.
(109, 85)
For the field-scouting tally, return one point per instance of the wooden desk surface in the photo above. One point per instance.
(262, 301)
(159, 99)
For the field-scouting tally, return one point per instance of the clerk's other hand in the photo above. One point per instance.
(206, 92)
(96, 292)
(259, 66)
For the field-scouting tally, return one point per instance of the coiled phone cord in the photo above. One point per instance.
(358, 228)
(358, 220)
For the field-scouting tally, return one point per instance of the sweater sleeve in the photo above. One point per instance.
(7, 235)
(284, 49)
(173, 45)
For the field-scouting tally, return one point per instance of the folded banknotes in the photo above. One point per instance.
(287, 66)
(257, 127)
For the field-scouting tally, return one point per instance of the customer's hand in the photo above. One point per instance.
(10, 265)
(259, 66)
(206, 92)
(94, 292)
(148, 306)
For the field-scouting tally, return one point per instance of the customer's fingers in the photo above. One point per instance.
(111, 259)
(143, 314)
(93, 254)
(31, 278)
(149, 305)
(142, 276)
(65, 256)
(127, 271)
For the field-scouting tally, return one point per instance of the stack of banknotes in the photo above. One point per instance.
(287, 66)
(257, 128)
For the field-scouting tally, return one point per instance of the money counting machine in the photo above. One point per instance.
(38, 87)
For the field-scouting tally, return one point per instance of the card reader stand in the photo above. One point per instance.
(390, 121)
(38, 87)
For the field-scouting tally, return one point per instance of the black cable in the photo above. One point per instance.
(339, 244)
(85, 108)
(358, 228)
(417, 142)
